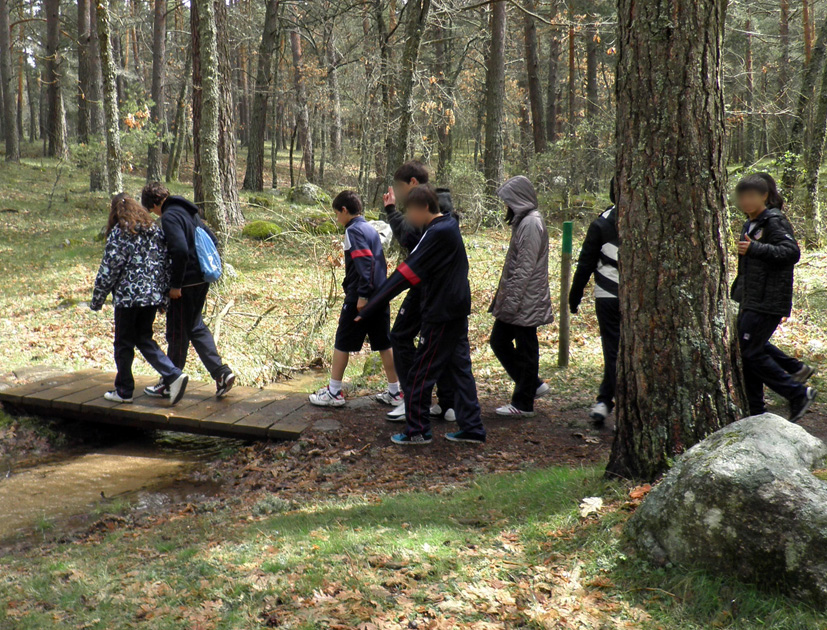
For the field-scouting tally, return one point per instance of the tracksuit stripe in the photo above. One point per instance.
(409, 274)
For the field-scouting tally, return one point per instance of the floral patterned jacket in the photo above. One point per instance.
(134, 270)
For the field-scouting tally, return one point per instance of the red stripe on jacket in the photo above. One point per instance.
(361, 253)
(409, 274)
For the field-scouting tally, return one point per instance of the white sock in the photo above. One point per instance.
(393, 388)
(335, 386)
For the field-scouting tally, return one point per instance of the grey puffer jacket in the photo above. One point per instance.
(523, 297)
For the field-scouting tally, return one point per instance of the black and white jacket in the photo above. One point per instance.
(598, 257)
(134, 269)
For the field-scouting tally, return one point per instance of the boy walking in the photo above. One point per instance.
(438, 265)
(598, 257)
(188, 289)
(767, 255)
(365, 271)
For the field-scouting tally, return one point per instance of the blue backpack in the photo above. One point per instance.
(208, 255)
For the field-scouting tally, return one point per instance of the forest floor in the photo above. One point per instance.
(340, 529)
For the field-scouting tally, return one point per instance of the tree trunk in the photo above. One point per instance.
(154, 166)
(333, 60)
(808, 42)
(749, 100)
(814, 157)
(782, 88)
(302, 114)
(210, 127)
(416, 16)
(592, 109)
(55, 117)
(447, 81)
(180, 125)
(34, 107)
(97, 175)
(254, 175)
(110, 101)
(676, 380)
(494, 90)
(7, 78)
(572, 90)
(535, 90)
(551, 89)
(83, 70)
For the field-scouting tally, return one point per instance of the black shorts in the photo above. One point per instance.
(350, 335)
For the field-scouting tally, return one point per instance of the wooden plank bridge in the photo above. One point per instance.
(244, 413)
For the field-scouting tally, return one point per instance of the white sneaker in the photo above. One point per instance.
(115, 397)
(450, 416)
(542, 390)
(436, 411)
(397, 414)
(325, 398)
(177, 389)
(393, 400)
(512, 412)
(600, 412)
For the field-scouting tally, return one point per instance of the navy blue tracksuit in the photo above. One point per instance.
(438, 265)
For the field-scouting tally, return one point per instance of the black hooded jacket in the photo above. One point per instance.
(179, 217)
(764, 283)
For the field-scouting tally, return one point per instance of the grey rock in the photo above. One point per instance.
(744, 502)
(309, 194)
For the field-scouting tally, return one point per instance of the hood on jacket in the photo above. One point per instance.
(519, 195)
(186, 204)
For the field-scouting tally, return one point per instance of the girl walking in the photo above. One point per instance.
(134, 270)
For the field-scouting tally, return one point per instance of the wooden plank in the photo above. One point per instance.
(289, 428)
(192, 415)
(135, 409)
(16, 394)
(259, 422)
(74, 402)
(45, 397)
(235, 411)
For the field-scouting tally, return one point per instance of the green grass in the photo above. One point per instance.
(510, 550)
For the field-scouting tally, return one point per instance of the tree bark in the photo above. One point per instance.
(302, 115)
(749, 99)
(154, 168)
(254, 175)
(416, 18)
(551, 89)
(7, 77)
(814, 157)
(572, 88)
(676, 381)
(83, 70)
(808, 42)
(333, 59)
(110, 100)
(55, 117)
(209, 131)
(494, 90)
(535, 90)
(97, 175)
(180, 124)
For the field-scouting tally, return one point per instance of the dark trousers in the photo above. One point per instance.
(787, 363)
(518, 349)
(443, 349)
(404, 334)
(133, 329)
(760, 368)
(185, 325)
(608, 319)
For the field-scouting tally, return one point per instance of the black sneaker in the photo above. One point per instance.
(159, 390)
(404, 439)
(224, 384)
(465, 436)
(804, 374)
(801, 405)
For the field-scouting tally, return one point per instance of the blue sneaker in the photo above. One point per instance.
(405, 439)
(465, 436)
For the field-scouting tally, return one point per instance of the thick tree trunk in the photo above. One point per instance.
(551, 89)
(97, 175)
(333, 60)
(572, 87)
(302, 114)
(180, 125)
(110, 100)
(83, 70)
(34, 107)
(154, 167)
(749, 97)
(416, 18)
(675, 378)
(814, 157)
(55, 116)
(227, 146)
(254, 175)
(782, 88)
(593, 158)
(535, 90)
(210, 126)
(808, 42)
(494, 90)
(7, 78)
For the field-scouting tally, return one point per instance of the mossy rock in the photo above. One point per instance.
(308, 194)
(372, 366)
(262, 230)
(262, 201)
(320, 223)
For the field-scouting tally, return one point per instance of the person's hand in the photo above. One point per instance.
(175, 294)
(743, 246)
(358, 318)
(389, 197)
(362, 303)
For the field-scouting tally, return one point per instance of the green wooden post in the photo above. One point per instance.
(565, 282)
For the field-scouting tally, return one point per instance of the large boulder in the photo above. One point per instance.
(744, 502)
(309, 194)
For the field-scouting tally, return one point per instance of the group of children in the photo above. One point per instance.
(148, 268)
